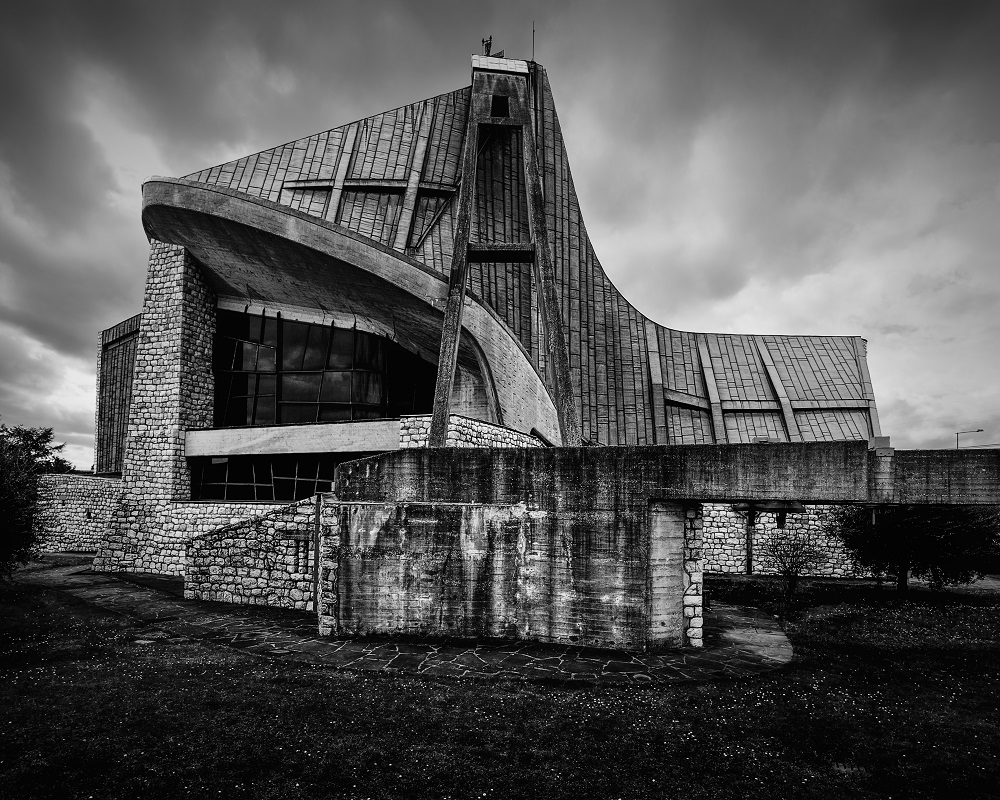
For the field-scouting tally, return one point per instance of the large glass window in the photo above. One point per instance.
(268, 478)
(272, 371)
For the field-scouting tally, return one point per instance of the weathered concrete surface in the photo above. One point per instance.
(251, 247)
(494, 571)
(622, 480)
(567, 537)
(949, 477)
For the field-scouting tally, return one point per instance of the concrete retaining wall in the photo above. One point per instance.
(504, 571)
(606, 566)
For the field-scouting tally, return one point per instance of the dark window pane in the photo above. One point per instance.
(270, 337)
(293, 345)
(222, 353)
(240, 470)
(253, 327)
(319, 340)
(284, 490)
(360, 412)
(334, 413)
(265, 359)
(262, 471)
(283, 466)
(240, 385)
(367, 352)
(341, 349)
(212, 491)
(265, 492)
(237, 411)
(265, 384)
(232, 323)
(336, 387)
(367, 388)
(246, 357)
(302, 387)
(326, 468)
(214, 471)
(304, 489)
(290, 413)
(307, 466)
(239, 491)
(265, 411)
(324, 486)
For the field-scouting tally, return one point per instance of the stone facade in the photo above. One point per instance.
(172, 392)
(693, 577)
(725, 541)
(267, 559)
(463, 432)
(77, 510)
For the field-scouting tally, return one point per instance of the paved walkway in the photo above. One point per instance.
(738, 642)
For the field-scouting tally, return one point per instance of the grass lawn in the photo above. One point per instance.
(886, 698)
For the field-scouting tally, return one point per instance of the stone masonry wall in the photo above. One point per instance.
(463, 432)
(172, 392)
(693, 598)
(264, 560)
(77, 509)
(725, 541)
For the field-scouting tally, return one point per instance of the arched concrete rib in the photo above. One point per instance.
(259, 250)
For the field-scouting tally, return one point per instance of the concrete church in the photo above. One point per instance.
(416, 280)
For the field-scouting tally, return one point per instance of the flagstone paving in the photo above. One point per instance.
(738, 641)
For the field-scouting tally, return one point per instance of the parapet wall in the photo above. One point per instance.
(76, 510)
(581, 530)
(549, 574)
(264, 560)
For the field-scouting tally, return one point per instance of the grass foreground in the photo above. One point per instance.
(886, 697)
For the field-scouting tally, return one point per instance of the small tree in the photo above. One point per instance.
(791, 553)
(945, 544)
(25, 453)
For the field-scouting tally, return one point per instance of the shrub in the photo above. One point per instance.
(25, 453)
(791, 553)
(945, 544)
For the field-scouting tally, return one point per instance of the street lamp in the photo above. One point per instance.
(959, 433)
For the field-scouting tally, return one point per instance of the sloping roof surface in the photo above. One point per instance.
(394, 178)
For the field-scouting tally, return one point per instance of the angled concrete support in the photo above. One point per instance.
(451, 331)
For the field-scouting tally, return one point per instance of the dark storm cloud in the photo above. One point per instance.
(760, 164)
(814, 98)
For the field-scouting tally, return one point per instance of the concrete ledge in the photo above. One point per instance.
(340, 437)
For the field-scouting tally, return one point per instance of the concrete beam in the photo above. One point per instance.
(340, 437)
(614, 478)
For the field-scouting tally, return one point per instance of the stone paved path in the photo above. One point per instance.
(738, 642)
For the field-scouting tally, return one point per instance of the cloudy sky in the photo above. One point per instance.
(791, 167)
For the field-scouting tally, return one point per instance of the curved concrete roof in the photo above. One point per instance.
(262, 252)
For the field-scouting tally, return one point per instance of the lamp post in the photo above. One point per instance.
(959, 433)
